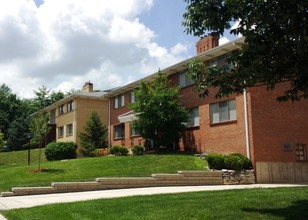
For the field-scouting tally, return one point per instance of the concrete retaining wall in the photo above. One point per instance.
(182, 178)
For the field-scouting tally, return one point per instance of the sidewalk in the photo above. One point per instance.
(36, 200)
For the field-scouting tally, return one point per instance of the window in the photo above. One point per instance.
(69, 130)
(119, 131)
(70, 106)
(223, 111)
(184, 80)
(61, 109)
(301, 153)
(133, 131)
(193, 120)
(119, 101)
(53, 116)
(133, 97)
(60, 132)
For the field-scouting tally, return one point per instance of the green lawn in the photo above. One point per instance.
(14, 172)
(279, 203)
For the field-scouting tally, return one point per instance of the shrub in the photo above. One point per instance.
(138, 150)
(234, 162)
(119, 150)
(60, 150)
(215, 161)
(247, 163)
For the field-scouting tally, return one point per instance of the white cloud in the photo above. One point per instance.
(64, 43)
(223, 40)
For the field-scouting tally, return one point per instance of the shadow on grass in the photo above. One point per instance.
(43, 170)
(298, 210)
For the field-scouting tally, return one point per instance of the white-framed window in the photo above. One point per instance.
(119, 131)
(133, 131)
(119, 101)
(53, 116)
(69, 130)
(223, 111)
(193, 120)
(301, 152)
(70, 106)
(133, 97)
(184, 80)
(61, 109)
(60, 132)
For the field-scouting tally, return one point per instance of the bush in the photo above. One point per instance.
(138, 150)
(234, 162)
(247, 163)
(119, 150)
(215, 161)
(60, 150)
(99, 152)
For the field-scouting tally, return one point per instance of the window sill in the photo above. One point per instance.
(223, 123)
(135, 136)
(118, 138)
(193, 128)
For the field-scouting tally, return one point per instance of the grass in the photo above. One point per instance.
(279, 203)
(14, 173)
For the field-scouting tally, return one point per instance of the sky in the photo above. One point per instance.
(62, 44)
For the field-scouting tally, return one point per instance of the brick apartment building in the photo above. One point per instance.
(273, 135)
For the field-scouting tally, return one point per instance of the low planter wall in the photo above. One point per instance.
(232, 177)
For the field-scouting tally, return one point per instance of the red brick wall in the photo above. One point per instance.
(273, 124)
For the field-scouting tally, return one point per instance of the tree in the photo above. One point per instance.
(9, 108)
(159, 115)
(18, 133)
(275, 48)
(94, 135)
(44, 97)
(39, 130)
(2, 141)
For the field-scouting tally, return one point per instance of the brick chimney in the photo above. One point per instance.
(87, 87)
(207, 43)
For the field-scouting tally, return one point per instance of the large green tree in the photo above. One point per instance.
(18, 133)
(94, 135)
(275, 48)
(160, 117)
(9, 108)
(44, 97)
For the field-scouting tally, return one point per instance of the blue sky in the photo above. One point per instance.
(64, 43)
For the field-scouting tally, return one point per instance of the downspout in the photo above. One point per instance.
(109, 123)
(75, 124)
(246, 125)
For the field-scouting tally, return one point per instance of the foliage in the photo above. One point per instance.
(138, 150)
(18, 133)
(9, 108)
(159, 114)
(94, 135)
(44, 97)
(216, 161)
(2, 141)
(246, 162)
(275, 48)
(60, 150)
(119, 150)
(39, 129)
(99, 152)
(235, 161)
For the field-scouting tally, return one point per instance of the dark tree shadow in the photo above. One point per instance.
(43, 170)
(298, 210)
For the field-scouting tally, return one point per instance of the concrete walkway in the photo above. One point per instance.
(15, 202)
